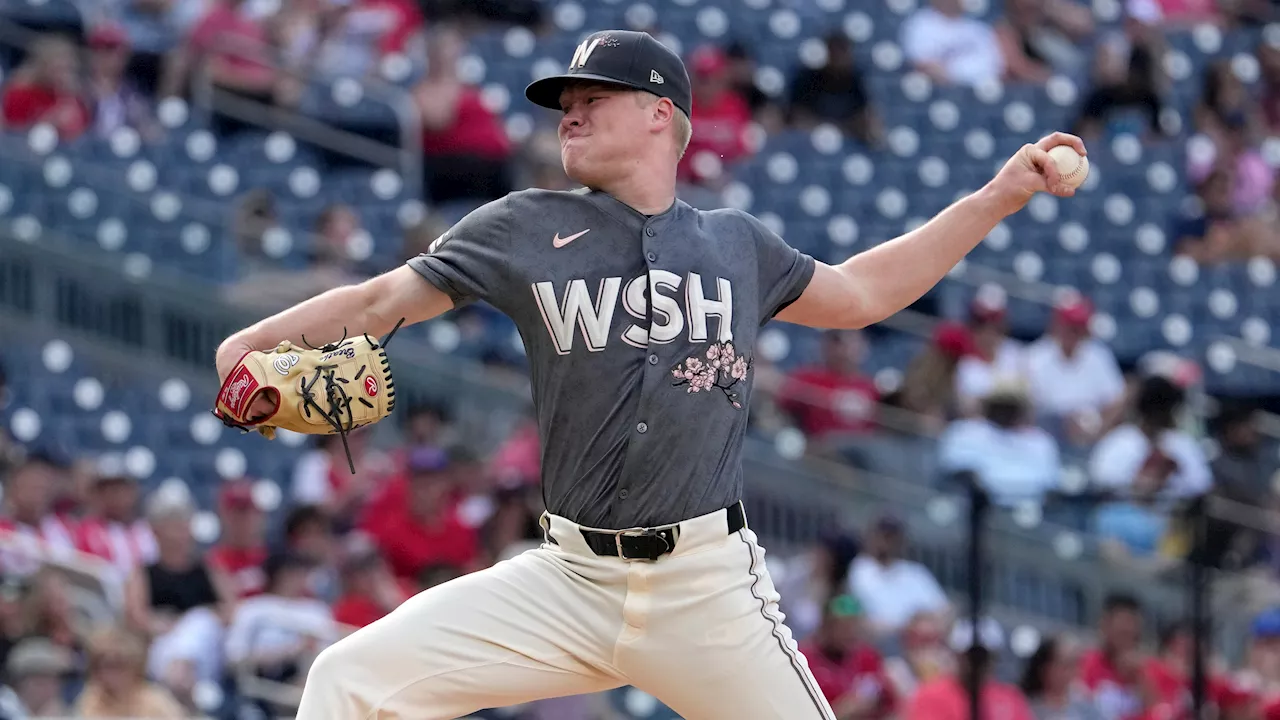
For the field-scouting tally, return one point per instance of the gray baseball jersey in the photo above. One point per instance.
(639, 332)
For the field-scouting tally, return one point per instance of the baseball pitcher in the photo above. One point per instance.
(640, 316)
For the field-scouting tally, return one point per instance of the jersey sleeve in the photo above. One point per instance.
(784, 271)
(467, 262)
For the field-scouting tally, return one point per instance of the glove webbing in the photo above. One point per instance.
(336, 396)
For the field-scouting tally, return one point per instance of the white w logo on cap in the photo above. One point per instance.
(582, 53)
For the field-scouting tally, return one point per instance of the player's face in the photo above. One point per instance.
(601, 132)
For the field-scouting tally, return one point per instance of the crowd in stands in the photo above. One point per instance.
(341, 550)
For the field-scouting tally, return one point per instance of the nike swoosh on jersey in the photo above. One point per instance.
(560, 242)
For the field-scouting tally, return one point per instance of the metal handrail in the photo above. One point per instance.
(407, 158)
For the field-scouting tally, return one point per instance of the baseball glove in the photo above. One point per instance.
(334, 388)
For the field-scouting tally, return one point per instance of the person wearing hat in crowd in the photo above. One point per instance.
(996, 359)
(113, 100)
(113, 529)
(721, 119)
(35, 672)
(891, 588)
(810, 580)
(1012, 459)
(1076, 384)
(369, 589)
(848, 669)
(929, 383)
(241, 549)
(833, 401)
(946, 697)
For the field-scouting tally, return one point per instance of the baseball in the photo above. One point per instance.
(1073, 167)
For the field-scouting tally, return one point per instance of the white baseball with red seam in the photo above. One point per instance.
(1072, 167)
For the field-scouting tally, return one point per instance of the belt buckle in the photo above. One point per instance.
(639, 532)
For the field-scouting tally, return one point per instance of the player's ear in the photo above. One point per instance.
(661, 114)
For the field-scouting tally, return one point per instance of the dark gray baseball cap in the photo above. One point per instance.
(620, 57)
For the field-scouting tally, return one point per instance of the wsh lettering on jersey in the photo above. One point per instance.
(681, 305)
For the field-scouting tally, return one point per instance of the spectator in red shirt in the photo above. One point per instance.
(369, 590)
(1168, 679)
(425, 529)
(465, 143)
(241, 549)
(1113, 672)
(1262, 669)
(1051, 682)
(848, 669)
(114, 531)
(47, 89)
(721, 118)
(833, 399)
(947, 696)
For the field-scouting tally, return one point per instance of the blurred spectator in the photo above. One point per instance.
(1168, 678)
(33, 529)
(929, 383)
(742, 77)
(154, 29)
(1011, 458)
(994, 358)
(323, 477)
(232, 46)
(308, 533)
(1268, 55)
(425, 530)
(1051, 682)
(1240, 475)
(922, 654)
(113, 530)
(113, 100)
(519, 459)
(1041, 37)
(117, 685)
(1174, 14)
(47, 89)
(1075, 382)
(241, 549)
(1234, 152)
(813, 578)
(13, 615)
(834, 399)
(1261, 669)
(179, 602)
(350, 38)
(1217, 232)
(946, 697)
(49, 613)
(836, 93)
(36, 670)
(1126, 77)
(275, 635)
(951, 48)
(465, 143)
(1223, 101)
(369, 590)
(720, 121)
(513, 527)
(891, 588)
(847, 668)
(1147, 463)
(1112, 672)
(336, 244)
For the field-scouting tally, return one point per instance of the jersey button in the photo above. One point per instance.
(649, 231)
(642, 428)
(623, 494)
(652, 256)
(653, 359)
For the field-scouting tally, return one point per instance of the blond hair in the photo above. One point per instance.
(681, 125)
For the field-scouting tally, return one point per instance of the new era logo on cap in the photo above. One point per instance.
(620, 57)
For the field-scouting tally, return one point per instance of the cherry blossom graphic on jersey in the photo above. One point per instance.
(721, 370)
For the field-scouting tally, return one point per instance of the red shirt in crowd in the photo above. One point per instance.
(720, 128)
(359, 610)
(397, 19)
(475, 131)
(231, 41)
(860, 672)
(25, 105)
(243, 566)
(125, 546)
(1171, 692)
(944, 698)
(1115, 699)
(825, 402)
(410, 546)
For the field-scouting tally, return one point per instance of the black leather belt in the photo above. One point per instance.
(651, 543)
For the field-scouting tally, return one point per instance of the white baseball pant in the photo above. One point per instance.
(699, 629)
